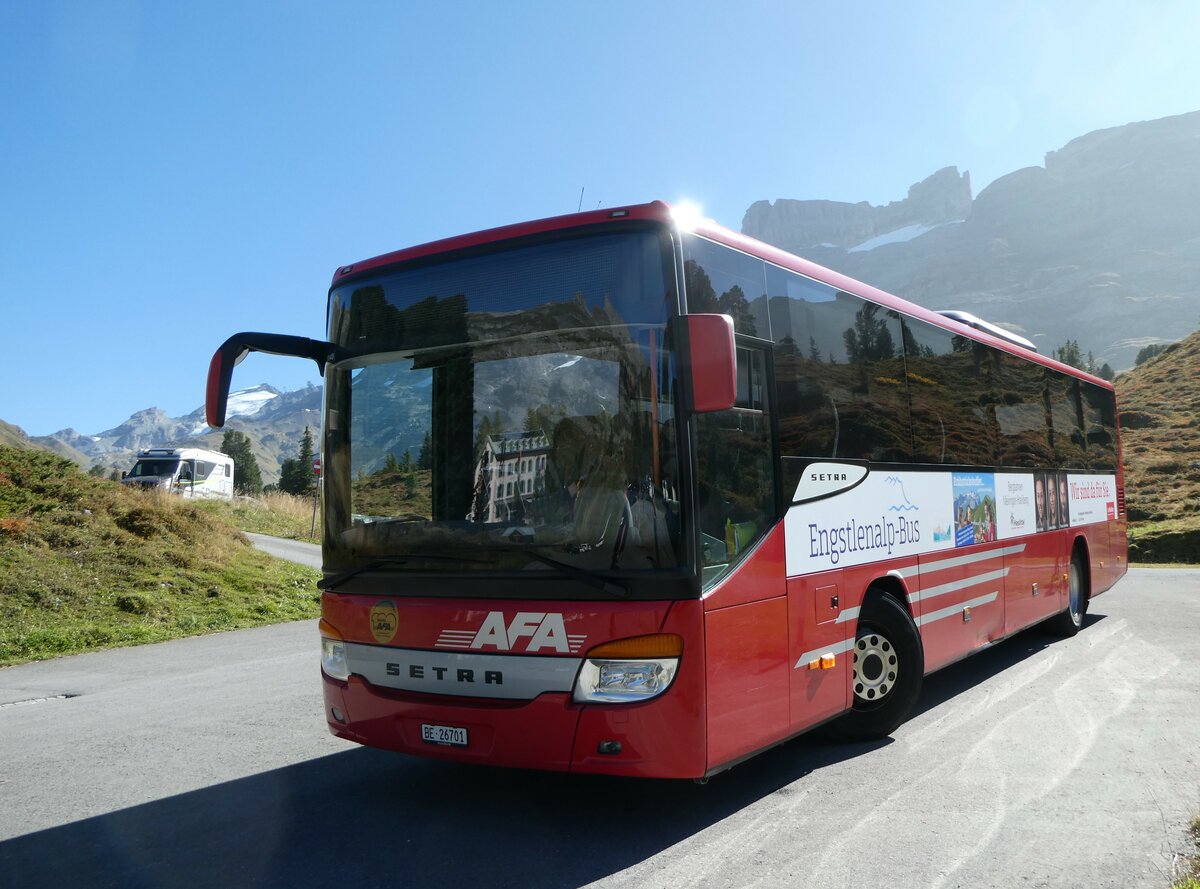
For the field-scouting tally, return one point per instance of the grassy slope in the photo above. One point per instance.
(86, 563)
(277, 514)
(13, 436)
(1160, 431)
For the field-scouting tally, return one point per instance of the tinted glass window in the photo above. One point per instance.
(1100, 426)
(951, 384)
(1066, 421)
(508, 411)
(722, 281)
(564, 285)
(839, 373)
(1022, 414)
(734, 463)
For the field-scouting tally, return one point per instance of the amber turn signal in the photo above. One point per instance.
(656, 645)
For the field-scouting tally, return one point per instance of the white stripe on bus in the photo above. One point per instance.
(953, 610)
(957, 561)
(842, 647)
(837, 648)
(954, 586)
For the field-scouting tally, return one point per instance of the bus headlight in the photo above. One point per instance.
(629, 670)
(333, 653)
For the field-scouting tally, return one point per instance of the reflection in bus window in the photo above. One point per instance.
(1066, 421)
(1021, 414)
(735, 471)
(839, 373)
(950, 382)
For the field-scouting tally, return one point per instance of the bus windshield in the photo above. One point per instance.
(506, 412)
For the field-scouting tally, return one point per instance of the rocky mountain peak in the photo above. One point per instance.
(798, 226)
(273, 420)
(1098, 246)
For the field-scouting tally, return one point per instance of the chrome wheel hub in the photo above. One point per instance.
(876, 667)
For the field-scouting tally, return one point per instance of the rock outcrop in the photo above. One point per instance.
(798, 226)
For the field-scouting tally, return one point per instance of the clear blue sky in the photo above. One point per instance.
(172, 173)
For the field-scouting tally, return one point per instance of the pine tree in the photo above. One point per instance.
(1069, 353)
(425, 455)
(306, 460)
(247, 478)
(290, 481)
(1149, 352)
(295, 476)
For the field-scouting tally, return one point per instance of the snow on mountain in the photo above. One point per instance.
(249, 401)
(243, 403)
(274, 420)
(899, 236)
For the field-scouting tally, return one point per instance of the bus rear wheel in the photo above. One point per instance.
(888, 664)
(1070, 622)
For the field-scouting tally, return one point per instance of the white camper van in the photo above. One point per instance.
(190, 472)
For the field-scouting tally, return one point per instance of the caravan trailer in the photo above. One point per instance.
(189, 472)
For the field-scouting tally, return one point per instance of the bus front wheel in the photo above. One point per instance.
(888, 664)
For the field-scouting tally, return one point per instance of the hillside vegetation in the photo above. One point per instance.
(274, 513)
(1160, 427)
(86, 563)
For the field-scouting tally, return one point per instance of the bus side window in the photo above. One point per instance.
(737, 484)
(839, 373)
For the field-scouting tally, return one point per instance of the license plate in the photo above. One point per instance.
(447, 735)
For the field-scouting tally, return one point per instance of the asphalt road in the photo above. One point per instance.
(293, 550)
(205, 762)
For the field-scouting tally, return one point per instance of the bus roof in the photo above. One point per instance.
(656, 211)
(660, 211)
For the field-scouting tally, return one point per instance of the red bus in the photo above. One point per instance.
(612, 493)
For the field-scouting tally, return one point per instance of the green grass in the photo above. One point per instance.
(87, 563)
(277, 514)
(1188, 866)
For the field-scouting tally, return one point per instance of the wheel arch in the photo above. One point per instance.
(891, 584)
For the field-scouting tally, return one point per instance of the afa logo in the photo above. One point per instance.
(385, 620)
(527, 632)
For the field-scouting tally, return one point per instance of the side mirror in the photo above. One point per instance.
(713, 362)
(124, 473)
(238, 346)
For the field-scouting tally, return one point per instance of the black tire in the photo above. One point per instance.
(887, 666)
(1070, 622)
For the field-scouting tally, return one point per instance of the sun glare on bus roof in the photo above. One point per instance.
(687, 215)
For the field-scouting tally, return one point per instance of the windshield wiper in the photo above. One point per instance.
(339, 579)
(612, 586)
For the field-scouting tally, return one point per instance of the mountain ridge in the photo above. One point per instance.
(1100, 245)
(273, 419)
